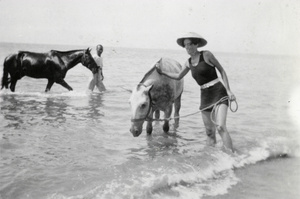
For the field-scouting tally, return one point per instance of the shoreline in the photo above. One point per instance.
(264, 180)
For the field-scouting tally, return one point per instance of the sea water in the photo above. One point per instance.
(75, 145)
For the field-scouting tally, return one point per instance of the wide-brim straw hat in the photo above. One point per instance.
(190, 35)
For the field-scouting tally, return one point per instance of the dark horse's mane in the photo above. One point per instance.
(70, 51)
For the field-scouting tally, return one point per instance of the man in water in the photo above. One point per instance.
(98, 77)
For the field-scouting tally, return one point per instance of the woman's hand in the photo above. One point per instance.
(231, 96)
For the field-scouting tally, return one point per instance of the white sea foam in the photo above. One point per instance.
(184, 180)
(190, 179)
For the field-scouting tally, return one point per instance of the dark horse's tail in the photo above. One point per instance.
(5, 79)
(11, 64)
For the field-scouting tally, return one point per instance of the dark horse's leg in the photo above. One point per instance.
(13, 84)
(14, 78)
(49, 85)
(64, 84)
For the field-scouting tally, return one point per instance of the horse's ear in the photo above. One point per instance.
(90, 49)
(130, 91)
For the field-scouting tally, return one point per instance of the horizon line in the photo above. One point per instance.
(66, 44)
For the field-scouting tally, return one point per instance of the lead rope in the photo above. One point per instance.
(211, 114)
(218, 102)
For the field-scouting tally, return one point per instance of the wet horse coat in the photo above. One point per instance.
(52, 65)
(156, 92)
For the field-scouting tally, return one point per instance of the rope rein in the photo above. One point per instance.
(222, 100)
(214, 106)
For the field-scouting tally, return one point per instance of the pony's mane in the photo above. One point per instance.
(147, 74)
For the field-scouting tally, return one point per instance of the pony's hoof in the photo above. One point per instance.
(149, 131)
(166, 128)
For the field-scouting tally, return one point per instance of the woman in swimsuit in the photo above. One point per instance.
(203, 67)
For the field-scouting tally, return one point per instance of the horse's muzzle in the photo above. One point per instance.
(135, 131)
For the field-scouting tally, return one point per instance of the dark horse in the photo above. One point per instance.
(52, 65)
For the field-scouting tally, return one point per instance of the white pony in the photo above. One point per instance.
(156, 93)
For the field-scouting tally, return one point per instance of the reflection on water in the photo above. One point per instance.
(158, 143)
(25, 111)
(9, 109)
(55, 111)
(94, 106)
(161, 145)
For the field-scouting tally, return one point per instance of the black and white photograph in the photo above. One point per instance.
(149, 99)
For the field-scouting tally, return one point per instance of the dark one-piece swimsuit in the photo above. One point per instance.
(204, 73)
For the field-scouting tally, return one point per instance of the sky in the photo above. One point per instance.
(241, 26)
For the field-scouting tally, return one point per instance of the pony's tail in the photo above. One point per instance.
(5, 80)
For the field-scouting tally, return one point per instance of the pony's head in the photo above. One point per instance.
(140, 103)
(88, 61)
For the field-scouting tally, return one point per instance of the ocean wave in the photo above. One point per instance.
(210, 173)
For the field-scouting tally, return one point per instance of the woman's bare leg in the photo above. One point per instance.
(210, 128)
(221, 115)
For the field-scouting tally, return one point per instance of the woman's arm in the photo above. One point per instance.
(210, 58)
(176, 76)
